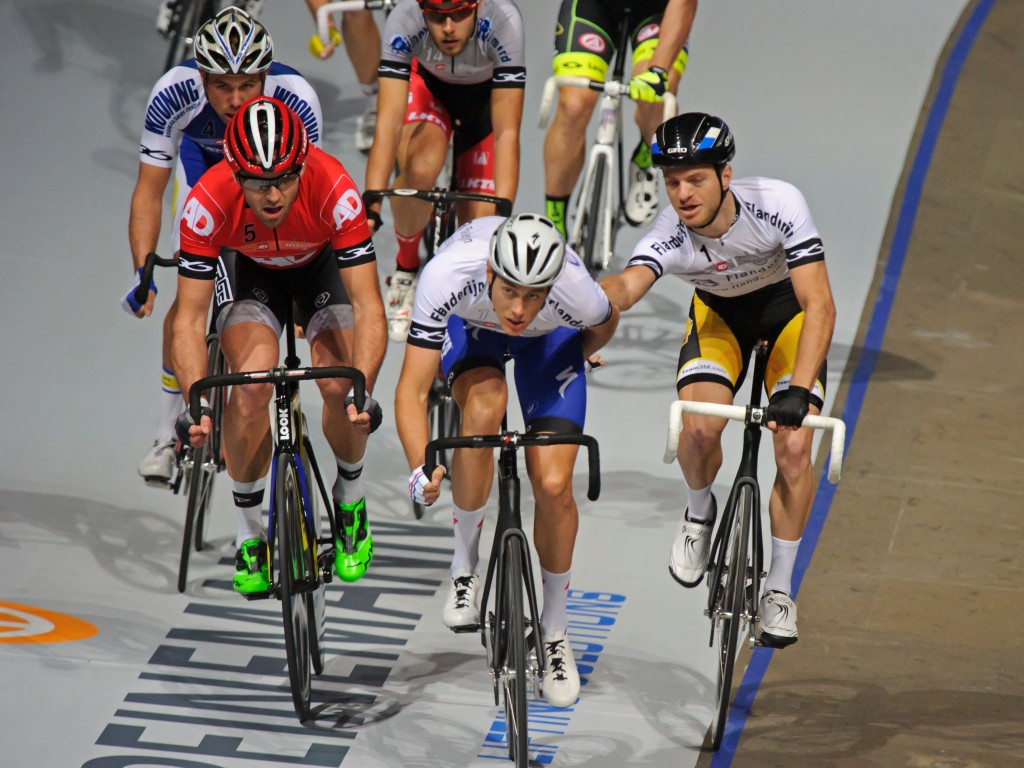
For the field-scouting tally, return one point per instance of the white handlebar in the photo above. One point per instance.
(553, 83)
(739, 413)
(343, 6)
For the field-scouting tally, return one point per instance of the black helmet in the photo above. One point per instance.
(693, 138)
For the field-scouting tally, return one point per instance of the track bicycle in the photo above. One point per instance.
(736, 566)
(194, 468)
(299, 558)
(597, 217)
(442, 412)
(510, 631)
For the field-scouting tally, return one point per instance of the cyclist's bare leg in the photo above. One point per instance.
(422, 151)
(700, 443)
(467, 210)
(362, 43)
(793, 492)
(557, 517)
(482, 396)
(565, 142)
(247, 447)
(333, 346)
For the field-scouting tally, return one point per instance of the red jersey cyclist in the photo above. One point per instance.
(510, 286)
(187, 111)
(750, 248)
(290, 223)
(446, 66)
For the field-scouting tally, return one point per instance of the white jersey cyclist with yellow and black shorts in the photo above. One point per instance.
(743, 291)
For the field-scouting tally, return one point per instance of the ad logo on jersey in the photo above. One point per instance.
(592, 42)
(651, 30)
(28, 624)
(349, 206)
(197, 218)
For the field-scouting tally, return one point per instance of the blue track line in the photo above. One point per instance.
(761, 657)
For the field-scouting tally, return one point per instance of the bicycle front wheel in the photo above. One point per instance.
(514, 668)
(200, 488)
(592, 210)
(213, 460)
(728, 609)
(294, 567)
(187, 17)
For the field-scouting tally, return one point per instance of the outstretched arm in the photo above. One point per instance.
(628, 287)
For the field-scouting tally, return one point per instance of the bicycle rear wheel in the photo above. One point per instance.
(293, 563)
(728, 609)
(591, 211)
(513, 624)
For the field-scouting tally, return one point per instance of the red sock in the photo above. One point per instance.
(408, 258)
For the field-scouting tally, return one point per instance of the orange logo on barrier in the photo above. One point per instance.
(27, 624)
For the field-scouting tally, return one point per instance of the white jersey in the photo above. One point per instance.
(772, 234)
(454, 282)
(496, 52)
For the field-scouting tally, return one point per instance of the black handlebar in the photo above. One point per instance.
(278, 376)
(511, 441)
(152, 261)
(439, 195)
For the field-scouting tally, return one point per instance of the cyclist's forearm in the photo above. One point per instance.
(674, 30)
(595, 337)
(506, 164)
(815, 340)
(188, 353)
(371, 338)
(144, 226)
(411, 421)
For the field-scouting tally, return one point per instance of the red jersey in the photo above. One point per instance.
(328, 209)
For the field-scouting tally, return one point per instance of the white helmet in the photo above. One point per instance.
(528, 250)
(233, 43)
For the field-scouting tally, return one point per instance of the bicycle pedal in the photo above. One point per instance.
(158, 482)
(465, 629)
(257, 595)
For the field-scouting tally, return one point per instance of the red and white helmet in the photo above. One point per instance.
(265, 138)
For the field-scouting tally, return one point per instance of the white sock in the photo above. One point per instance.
(553, 618)
(780, 574)
(249, 510)
(349, 485)
(171, 405)
(370, 92)
(699, 505)
(467, 540)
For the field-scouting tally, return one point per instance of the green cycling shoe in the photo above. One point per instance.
(252, 574)
(353, 550)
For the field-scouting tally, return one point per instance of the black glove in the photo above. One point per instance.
(371, 407)
(184, 421)
(372, 215)
(788, 408)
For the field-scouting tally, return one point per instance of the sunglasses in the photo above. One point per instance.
(439, 17)
(261, 184)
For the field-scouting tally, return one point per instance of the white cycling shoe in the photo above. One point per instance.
(561, 682)
(157, 466)
(778, 620)
(366, 125)
(462, 607)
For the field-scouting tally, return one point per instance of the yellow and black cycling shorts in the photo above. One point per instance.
(586, 35)
(721, 334)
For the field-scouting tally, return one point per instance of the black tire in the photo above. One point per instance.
(187, 18)
(214, 456)
(292, 562)
(199, 486)
(590, 210)
(515, 666)
(729, 617)
(317, 629)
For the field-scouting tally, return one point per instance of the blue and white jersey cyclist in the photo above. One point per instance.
(186, 116)
(496, 286)
(751, 250)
